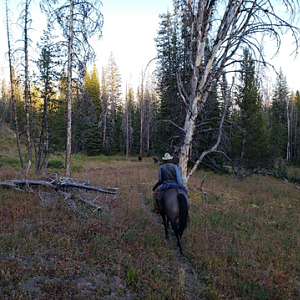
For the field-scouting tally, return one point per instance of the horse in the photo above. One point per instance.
(175, 209)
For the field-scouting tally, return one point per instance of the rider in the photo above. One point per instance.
(167, 173)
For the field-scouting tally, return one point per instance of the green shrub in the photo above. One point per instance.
(14, 162)
(56, 164)
(76, 168)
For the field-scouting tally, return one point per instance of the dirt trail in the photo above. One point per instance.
(190, 281)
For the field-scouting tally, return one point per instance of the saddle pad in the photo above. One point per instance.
(173, 186)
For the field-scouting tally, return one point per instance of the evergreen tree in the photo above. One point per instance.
(207, 128)
(249, 144)
(4, 104)
(296, 129)
(111, 115)
(92, 87)
(278, 116)
(86, 110)
(57, 117)
(149, 111)
(93, 141)
(47, 66)
(173, 56)
(169, 51)
(127, 122)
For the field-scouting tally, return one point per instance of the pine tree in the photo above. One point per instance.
(169, 51)
(249, 144)
(278, 116)
(86, 110)
(92, 87)
(127, 122)
(47, 64)
(57, 117)
(111, 115)
(93, 141)
(295, 129)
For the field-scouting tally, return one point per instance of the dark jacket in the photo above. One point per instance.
(168, 173)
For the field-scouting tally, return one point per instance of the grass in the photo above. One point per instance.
(242, 240)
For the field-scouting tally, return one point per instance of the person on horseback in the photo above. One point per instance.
(168, 173)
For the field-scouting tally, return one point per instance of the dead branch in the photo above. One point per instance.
(77, 197)
(55, 184)
(68, 188)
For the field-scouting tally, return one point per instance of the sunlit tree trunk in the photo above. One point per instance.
(69, 95)
(26, 84)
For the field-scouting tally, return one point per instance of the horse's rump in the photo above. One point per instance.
(170, 201)
(175, 207)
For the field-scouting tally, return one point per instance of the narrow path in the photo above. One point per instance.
(191, 283)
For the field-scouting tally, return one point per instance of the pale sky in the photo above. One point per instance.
(129, 30)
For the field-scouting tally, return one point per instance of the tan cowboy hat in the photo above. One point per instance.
(167, 156)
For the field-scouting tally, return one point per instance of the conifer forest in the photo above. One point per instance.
(209, 102)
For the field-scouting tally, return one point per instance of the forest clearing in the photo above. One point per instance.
(242, 240)
(79, 156)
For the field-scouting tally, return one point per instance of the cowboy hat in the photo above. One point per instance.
(167, 156)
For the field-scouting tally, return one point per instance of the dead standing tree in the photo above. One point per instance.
(12, 83)
(25, 22)
(79, 20)
(217, 30)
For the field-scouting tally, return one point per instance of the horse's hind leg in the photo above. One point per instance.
(177, 234)
(165, 222)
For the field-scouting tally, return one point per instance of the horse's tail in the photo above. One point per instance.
(183, 212)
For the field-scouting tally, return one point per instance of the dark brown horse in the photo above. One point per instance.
(175, 209)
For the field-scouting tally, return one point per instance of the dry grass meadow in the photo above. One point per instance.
(242, 240)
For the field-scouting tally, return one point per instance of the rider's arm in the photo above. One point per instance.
(178, 177)
(159, 175)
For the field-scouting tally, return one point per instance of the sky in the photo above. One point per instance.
(129, 30)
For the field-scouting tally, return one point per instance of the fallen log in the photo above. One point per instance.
(57, 185)
(69, 188)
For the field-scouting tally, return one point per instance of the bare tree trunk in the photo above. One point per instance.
(227, 98)
(104, 130)
(200, 78)
(288, 146)
(13, 99)
(127, 125)
(27, 110)
(148, 137)
(69, 96)
(142, 117)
